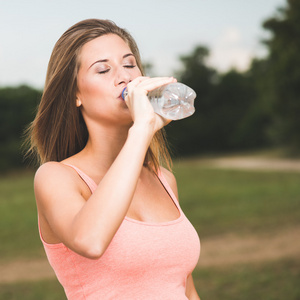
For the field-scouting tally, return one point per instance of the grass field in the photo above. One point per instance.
(218, 202)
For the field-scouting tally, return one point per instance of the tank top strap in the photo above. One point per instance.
(166, 185)
(88, 180)
(92, 185)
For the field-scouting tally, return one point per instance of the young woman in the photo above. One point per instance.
(109, 217)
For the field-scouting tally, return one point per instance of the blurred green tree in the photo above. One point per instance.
(187, 136)
(17, 109)
(283, 83)
(238, 118)
(229, 114)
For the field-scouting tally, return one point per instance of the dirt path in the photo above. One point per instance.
(25, 270)
(230, 249)
(250, 163)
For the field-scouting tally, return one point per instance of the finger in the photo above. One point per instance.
(153, 83)
(142, 85)
(135, 82)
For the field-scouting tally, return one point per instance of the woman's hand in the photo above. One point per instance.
(139, 105)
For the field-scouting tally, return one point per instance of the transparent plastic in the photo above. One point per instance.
(173, 101)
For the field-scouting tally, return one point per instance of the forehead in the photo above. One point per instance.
(103, 47)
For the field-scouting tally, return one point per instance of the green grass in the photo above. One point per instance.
(267, 281)
(240, 202)
(216, 202)
(18, 218)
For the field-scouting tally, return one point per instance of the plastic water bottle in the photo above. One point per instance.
(172, 101)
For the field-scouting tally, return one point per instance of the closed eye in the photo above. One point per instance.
(130, 66)
(103, 72)
(125, 66)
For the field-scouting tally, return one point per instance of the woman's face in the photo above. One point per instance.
(107, 65)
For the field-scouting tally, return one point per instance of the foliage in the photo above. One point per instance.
(187, 135)
(229, 115)
(253, 109)
(234, 111)
(284, 73)
(17, 108)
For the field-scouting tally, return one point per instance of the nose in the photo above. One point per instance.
(122, 76)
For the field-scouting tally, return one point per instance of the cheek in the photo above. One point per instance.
(95, 110)
(93, 99)
(87, 89)
(138, 72)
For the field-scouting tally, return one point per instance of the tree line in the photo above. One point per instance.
(245, 110)
(234, 110)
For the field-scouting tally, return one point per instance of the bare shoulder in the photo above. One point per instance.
(170, 179)
(47, 168)
(53, 178)
(59, 194)
(53, 172)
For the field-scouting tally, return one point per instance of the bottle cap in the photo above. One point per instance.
(124, 93)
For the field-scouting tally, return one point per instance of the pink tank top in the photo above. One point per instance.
(147, 261)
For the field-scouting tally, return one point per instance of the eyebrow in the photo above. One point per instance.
(106, 60)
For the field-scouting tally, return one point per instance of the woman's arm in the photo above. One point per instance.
(87, 227)
(191, 292)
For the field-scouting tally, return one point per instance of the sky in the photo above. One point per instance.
(163, 29)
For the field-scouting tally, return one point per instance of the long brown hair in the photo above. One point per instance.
(58, 130)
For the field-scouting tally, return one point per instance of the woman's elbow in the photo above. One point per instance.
(88, 248)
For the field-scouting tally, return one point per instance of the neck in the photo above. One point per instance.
(103, 146)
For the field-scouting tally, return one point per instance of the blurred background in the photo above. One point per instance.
(236, 159)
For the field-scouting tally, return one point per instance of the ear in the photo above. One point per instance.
(78, 102)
